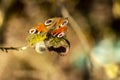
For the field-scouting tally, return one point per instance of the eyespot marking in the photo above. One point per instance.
(48, 22)
(32, 31)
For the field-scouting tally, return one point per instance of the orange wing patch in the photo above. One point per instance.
(58, 31)
(41, 28)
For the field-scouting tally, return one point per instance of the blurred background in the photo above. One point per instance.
(93, 32)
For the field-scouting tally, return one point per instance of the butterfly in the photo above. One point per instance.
(51, 36)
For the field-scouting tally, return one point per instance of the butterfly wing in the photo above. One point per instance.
(56, 41)
(58, 45)
(36, 37)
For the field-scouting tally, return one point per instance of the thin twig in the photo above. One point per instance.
(6, 49)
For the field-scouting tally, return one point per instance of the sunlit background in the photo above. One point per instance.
(93, 32)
